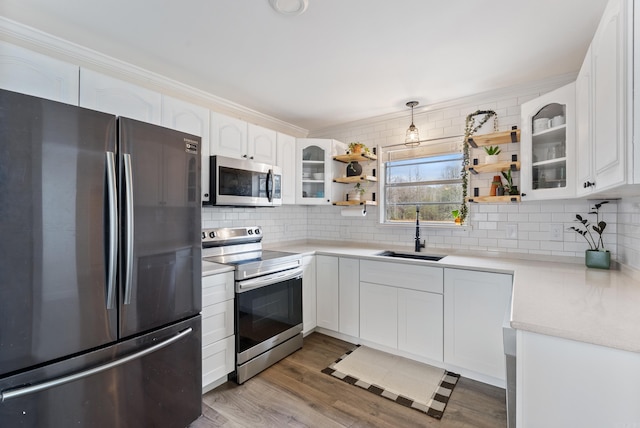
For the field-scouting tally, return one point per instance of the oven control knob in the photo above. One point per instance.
(250, 231)
(257, 231)
(212, 234)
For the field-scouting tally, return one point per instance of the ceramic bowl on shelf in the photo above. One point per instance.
(318, 175)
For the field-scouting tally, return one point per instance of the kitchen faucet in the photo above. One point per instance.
(418, 244)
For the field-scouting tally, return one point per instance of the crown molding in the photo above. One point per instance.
(543, 85)
(34, 39)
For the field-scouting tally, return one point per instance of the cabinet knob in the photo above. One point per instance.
(244, 156)
(523, 194)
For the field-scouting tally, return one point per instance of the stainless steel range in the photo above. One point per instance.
(268, 303)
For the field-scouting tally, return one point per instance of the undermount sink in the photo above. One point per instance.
(428, 257)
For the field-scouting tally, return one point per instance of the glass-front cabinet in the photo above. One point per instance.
(314, 171)
(548, 145)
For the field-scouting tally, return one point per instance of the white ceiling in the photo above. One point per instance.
(340, 61)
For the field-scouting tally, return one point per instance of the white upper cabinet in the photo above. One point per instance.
(609, 109)
(584, 142)
(32, 73)
(315, 170)
(192, 119)
(238, 139)
(228, 136)
(261, 144)
(286, 159)
(111, 95)
(604, 93)
(548, 145)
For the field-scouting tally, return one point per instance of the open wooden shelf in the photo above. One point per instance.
(355, 179)
(349, 203)
(503, 137)
(486, 199)
(494, 167)
(363, 157)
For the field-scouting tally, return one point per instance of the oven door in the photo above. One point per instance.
(238, 182)
(267, 315)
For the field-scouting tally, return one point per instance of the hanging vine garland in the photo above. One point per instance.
(469, 130)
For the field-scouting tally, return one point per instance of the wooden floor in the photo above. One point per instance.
(294, 393)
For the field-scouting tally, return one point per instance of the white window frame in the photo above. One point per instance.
(451, 145)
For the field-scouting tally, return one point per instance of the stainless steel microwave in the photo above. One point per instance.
(240, 182)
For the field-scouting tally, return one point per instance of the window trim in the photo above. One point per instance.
(427, 224)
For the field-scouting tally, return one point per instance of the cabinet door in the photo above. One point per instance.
(261, 144)
(548, 145)
(349, 283)
(308, 293)
(474, 308)
(420, 318)
(217, 322)
(217, 288)
(111, 95)
(379, 314)
(327, 292)
(228, 136)
(609, 108)
(193, 119)
(218, 360)
(584, 141)
(314, 172)
(32, 73)
(286, 159)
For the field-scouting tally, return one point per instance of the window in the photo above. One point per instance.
(431, 182)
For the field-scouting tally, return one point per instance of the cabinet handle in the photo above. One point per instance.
(523, 194)
(589, 184)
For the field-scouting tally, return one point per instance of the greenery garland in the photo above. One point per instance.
(469, 130)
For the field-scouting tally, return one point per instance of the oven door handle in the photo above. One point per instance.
(263, 281)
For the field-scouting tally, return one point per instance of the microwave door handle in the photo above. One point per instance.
(270, 185)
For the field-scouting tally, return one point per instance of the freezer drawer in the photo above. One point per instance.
(159, 389)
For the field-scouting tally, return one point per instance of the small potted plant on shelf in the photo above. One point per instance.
(596, 256)
(509, 188)
(456, 216)
(356, 193)
(356, 148)
(492, 154)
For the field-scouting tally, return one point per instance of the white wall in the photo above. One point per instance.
(488, 221)
(629, 231)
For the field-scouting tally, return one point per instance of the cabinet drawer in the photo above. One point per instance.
(217, 288)
(218, 360)
(402, 275)
(217, 322)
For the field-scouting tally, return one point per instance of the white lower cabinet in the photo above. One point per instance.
(420, 323)
(308, 294)
(349, 292)
(338, 294)
(218, 340)
(379, 314)
(401, 307)
(474, 308)
(327, 292)
(565, 383)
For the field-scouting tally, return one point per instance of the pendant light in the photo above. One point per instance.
(412, 139)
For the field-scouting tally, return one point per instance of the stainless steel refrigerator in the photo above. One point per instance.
(100, 269)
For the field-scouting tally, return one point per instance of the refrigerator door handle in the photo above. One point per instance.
(128, 273)
(113, 229)
(19, 392)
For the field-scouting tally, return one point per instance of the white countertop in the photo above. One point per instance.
(562, 299)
